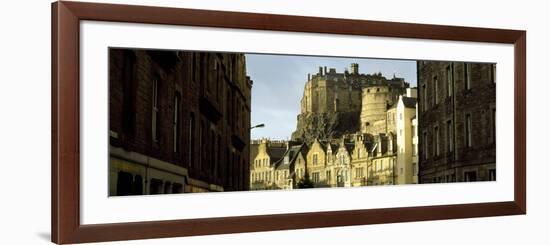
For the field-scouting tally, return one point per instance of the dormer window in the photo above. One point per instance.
(286, 160)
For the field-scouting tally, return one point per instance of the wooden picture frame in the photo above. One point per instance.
(66, 226)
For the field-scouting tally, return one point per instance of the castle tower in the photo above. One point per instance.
(375, 100)
(354, 68)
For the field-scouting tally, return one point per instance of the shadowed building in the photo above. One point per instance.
(456, 118)
(178, 122)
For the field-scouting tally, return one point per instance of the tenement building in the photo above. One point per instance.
(456, 121)
(264, 156)
(178, 122)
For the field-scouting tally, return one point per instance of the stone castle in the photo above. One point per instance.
(335, 104)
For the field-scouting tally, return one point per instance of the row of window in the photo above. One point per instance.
(450, 83)
(200, 133)
(378, 165)
(341, 176)
(450, 137)
(264, 162)
(467, 176)
(267, 175)
(208, 139)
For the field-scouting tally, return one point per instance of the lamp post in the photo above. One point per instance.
(261, 125)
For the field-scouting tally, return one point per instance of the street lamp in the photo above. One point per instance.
(261, 125)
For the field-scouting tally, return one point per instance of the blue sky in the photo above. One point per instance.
(279, 82)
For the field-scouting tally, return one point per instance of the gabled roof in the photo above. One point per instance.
(253, 151)
(276, 153)
(322, 144)
(333, 147)
(409, 102)
(349, 147)
(292, 154)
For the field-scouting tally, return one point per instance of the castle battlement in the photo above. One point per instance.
(334, 98)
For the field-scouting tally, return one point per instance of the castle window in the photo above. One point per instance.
(468, 129)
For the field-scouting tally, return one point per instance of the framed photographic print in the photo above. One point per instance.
(176, 122)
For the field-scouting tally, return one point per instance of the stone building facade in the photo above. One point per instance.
(178, 122)
(382, 167)
(456, 121)
(405, 131)
(262, 168)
